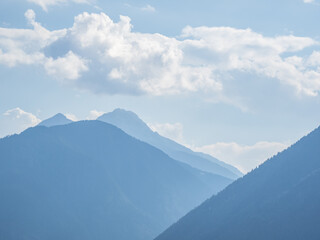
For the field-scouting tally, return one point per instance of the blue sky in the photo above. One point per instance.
(237, 79)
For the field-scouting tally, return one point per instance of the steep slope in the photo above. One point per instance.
(134, 126)
(278, 200)
(58, 119)
(90, 180)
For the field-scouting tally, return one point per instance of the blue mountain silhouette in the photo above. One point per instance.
(90, 180)
(278, 200)
(134, 126)
(58, 119)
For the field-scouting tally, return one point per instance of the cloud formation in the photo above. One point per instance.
(67, 67)
(108, 57)
(244, 50)
(72, 117)
(94, 114)
(244, 157)
(16, 120)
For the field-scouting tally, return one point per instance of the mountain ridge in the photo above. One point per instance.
(134, 126)
(91, 180)
(277, 200)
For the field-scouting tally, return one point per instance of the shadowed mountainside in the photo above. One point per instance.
(134, 126)
(279, 200)
(90, 180)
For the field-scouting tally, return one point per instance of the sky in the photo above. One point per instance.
(239, 80)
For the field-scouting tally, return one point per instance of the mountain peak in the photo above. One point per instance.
(58, 119)
(121, 110)
(123, 113)
(130, 123)
(127, 121)
(59, 116)
(92, 174)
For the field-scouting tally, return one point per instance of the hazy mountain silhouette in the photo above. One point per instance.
(90, 180)
(278, 200)
(134, 126)
(58, 119)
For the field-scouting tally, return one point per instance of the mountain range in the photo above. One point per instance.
(134, 126)
(115, 178)
(90, 180)
(130, 123)
(278, 200)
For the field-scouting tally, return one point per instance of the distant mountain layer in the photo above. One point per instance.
(279, 200)
(56, 120)
(134, 126)
(90, 180)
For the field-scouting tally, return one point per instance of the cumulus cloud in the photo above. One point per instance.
(244, 50)
(16, 120)
(108, 57)
(94, 114)
(128, 62)
(24, 46)
(70, 66)
(44, 4)
(173, 131)
(314, 59)
(244, 157)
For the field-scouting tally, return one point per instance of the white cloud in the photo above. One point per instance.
(108, 57)
(148, 8)
(44, 4)
(313, 2)
(25, 46)
(17, 56)
(244, 157)
(30, 16)
(173, 131)
(314, 59)
(69, 66)
(244, 50)
(128, 62)
(18, 113)
(16, 120)
(71, 116)
(94, 114)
